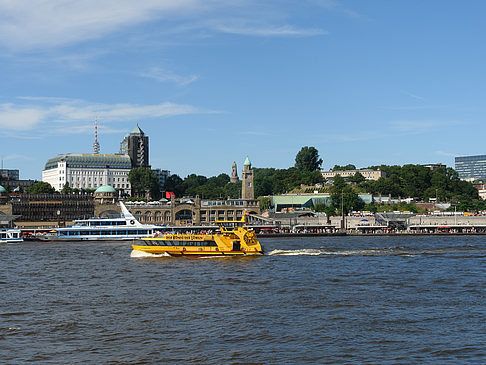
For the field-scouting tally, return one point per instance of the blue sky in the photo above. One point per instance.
(365, 82)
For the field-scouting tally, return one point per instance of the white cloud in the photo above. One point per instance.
(27, 25)
(268, 31)
(24, 24)
(20, 117)
(71, 116)
(413, 96)
(14, 157)
(163, 75)
(337, 6)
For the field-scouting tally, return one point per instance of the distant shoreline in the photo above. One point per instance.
(352, 234)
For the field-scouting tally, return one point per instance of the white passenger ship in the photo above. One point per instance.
(126, 227)
(10, 235)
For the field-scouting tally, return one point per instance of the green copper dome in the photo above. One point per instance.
(105, 189)
(2, 189)
(247, 161)
(136, 131)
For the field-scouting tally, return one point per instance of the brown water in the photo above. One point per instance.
(315, 300)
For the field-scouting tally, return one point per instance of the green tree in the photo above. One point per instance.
(233, 190)
(370, 207)
(324, 208)
(175, 184)
(386, 186)
(348, 167)
(307, 159)
(338, 184)
(192, 183)
(346, 199)
(144, 182)
(357, 178)
(66, 189)
(265, 202)
(40, 187)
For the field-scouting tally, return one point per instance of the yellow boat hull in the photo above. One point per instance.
(193, 252)
(234, 240)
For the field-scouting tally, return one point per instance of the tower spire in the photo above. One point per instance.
(96, 145)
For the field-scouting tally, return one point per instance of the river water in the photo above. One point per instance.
(308, 300)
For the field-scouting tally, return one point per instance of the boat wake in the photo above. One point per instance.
(391, 251)
(304, 252)
(322, 252)
(141, 254)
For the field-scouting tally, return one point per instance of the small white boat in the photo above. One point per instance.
(126, 227)
(10, 235)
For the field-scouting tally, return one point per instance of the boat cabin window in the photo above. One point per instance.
(184, 243)
(232, 224)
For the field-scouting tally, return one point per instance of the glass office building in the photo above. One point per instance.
(471, 167)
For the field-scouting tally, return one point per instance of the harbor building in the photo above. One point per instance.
(88, 171)
(196, 211)
(96, 171)
(471, 168)
(6, 174)
(434, 166)
(52, 207)
(92, 170)
(192, 211)
(11, 179)
(368, 174)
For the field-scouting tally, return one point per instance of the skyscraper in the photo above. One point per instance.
(136, 145)
(471, 167)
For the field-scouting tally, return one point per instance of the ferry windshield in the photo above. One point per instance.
(231, 224)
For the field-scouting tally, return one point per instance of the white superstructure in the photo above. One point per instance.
(10, 235)
(124, 228)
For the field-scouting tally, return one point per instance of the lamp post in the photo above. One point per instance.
(343, 225)
(455, 215)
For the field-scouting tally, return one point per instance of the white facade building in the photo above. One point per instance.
(88, 171)
(368, 174)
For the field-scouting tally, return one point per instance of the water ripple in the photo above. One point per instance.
(309, 300)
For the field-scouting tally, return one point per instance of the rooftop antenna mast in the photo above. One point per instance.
(96, 145)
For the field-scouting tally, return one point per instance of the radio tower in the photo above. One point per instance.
(96, 145)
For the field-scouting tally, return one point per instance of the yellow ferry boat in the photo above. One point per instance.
(234, 239)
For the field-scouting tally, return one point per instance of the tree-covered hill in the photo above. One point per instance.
(408, 181)
(420, 182)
